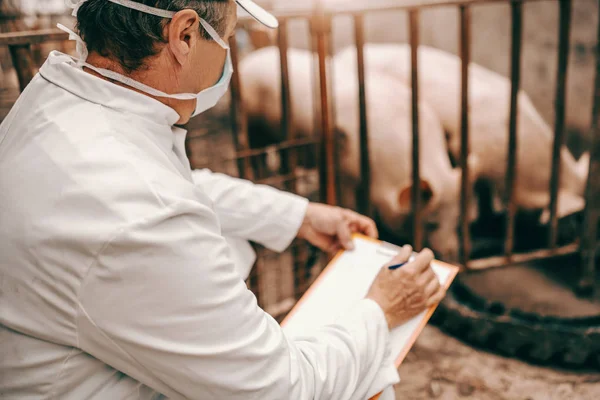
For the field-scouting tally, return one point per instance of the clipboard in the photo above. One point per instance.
(358, 269)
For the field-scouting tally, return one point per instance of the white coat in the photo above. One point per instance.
(116, 281)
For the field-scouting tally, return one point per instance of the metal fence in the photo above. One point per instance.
(278, 280)
(320, 22)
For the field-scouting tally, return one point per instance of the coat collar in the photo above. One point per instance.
(63, 71)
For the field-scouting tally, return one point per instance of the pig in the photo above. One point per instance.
(389, 122)
(489, 93)
(260, 78)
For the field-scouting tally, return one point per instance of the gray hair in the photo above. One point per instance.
(130, 36)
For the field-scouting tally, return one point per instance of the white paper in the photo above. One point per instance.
(346, 283)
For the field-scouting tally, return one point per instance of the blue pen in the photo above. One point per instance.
(396, 266)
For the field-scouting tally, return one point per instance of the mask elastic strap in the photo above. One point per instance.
(74, 4)
(144, 8)
(152, 11)
(213, 34)
(80, 47)
(82, 52)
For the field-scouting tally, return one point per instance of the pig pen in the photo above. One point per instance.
(558, 327)
(219, 140)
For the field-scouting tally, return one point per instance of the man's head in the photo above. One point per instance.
(173, 53)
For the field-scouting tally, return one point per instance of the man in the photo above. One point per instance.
(116, 280)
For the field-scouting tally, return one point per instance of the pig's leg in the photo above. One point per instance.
(568, 203)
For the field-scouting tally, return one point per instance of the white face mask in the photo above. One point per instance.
(206, 99)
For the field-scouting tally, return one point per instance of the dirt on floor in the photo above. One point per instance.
(441, 367)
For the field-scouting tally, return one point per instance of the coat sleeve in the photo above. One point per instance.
(164, 305)
(253, 212)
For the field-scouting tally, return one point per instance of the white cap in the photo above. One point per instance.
(258, 13)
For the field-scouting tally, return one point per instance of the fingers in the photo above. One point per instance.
(403, 255)
(421, 262)
(427, 277)
(344, 234)
(324, 242)
(437, 297)
(361, 224)
(432, 286)
(366, 226)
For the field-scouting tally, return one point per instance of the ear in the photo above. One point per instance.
(182, 33)
(405, 196)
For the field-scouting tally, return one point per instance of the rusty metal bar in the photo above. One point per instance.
(364, 189)
(288, 157)
(559, 107)
(276, 147)
(348, 8)
(315, 81)
(591, 216)
(515, 75)
(238, 118)
(322, 28)
(23, 64)
(465, 56)
(32, 37)
(417, 233)
(501, 261)
(332, 108)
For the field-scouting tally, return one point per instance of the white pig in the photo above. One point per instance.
(261, 94)
(389, 122)
(489, 93)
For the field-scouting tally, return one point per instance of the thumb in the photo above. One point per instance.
(344, 235)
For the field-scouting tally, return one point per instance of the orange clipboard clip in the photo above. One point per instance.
(451, 275)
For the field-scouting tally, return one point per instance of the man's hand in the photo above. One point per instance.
(407, 291)
(331, 228)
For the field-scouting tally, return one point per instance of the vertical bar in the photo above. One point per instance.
(560, 106)
(417, 233)
(288, 157)
(515, 75)
(238, 118)
(23, 63)
(364, 190)
(332, 108)
(327, 162)
(591, 216)
(315, 92)
(465, 55)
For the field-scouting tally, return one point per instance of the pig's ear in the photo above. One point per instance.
(405, 196)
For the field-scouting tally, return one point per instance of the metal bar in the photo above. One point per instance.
(591, 216)
(413, 16)
(32, 37)
(501, 261)
(332, 108)
(314, 151)
(288, 159)
(279, 179)
(559, 106)
(304, 142)
(322, 26)
(23, 63)
(364, 189)
(348, 8)
(515, 75)
(465, 55)
(238, 118)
